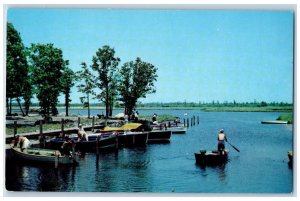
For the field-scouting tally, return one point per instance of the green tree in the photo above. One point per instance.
(136, 80)
(67, 82)
(47, 66)
(87, 86)
(17, 72)
(105, 64)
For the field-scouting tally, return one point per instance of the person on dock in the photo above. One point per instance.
(154, 117)
(22, 142)
(221, 141)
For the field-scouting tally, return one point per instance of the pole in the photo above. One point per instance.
(62, 126)
(15, 128)
(41, 127)
(93, 123)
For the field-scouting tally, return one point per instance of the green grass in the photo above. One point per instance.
(160, 118)
(286, 117)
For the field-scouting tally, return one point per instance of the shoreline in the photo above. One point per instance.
(204, 109)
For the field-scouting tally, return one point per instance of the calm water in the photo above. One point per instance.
(261, 166)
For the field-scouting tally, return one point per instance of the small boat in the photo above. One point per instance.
(129, 134)
(211, 158)
(159, 136)
(132, 138)
(274, 122)
(95, 141)
(177, 130)
(43, 156)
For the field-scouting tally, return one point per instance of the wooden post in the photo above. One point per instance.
(117, 142)
(15, 128)
(97, 145)
(187, 122)
(78, 121)
(184, 122)
(62, 126)
(194, 120)
(198, 120)
(93, 123)
(41, 127)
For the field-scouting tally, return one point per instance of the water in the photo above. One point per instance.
(261, 166)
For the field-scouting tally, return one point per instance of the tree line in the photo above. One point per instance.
(41, 70)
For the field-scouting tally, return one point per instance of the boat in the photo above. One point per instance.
(177, 130)
(274, 122)
(132, 138)
(211, 158)
(95, 142)
(43, 156)
(159, 136)
(129, 134)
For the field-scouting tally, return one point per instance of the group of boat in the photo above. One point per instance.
(109, 138)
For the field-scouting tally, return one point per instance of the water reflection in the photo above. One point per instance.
(219, 169)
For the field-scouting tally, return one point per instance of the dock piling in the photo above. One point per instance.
(62, 126)
(15, 128)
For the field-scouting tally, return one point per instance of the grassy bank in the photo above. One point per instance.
(286, 117)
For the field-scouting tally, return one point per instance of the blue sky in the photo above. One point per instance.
(201, 55)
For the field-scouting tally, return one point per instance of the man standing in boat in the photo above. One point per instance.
(221, 141)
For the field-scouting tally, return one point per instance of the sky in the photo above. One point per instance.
(201, 55)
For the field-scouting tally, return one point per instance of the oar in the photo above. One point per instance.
(234, 147)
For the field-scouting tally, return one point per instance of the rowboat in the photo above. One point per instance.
(211, 158)
(43, 156)
(95, 141)
(274, 122)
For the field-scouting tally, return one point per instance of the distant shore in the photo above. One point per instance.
(205, 109)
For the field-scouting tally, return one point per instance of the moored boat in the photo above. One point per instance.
(129, 134)
(132, 138)
(159, 136)
(211, 158)
(43, 156)
(95, 141)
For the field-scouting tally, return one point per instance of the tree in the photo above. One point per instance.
(87, 86)
(105, 63)
(67, 82)
(47, 66)
(136, 80)
(17, 71)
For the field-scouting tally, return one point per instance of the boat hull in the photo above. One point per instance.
(211, 158)
(159, 136)
(133, 139)
(87, 146)
(42, 156)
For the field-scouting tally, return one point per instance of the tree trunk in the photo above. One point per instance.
(106, 101)
(18, 100)
(67, 102)
(88, 102)
(7, 106)
(10, 106)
